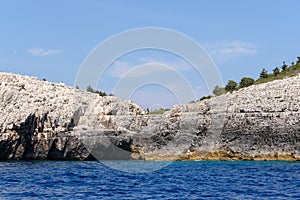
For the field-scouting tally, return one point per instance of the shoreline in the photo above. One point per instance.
(51, 121)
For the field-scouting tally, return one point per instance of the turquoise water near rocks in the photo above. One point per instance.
(179, 180)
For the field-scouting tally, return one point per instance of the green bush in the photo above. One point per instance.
(90, 89)
(231, 85)
(263, 73)
(284, 66)
(276, 71)
(205, 97)
(219, 90)
(246, 81)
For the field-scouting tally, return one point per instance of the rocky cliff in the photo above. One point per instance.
(42, 120)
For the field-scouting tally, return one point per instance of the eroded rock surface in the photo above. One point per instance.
(42, 120)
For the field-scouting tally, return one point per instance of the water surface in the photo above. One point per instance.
(180, 180)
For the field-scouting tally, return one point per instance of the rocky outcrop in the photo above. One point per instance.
(42, 120)
(38, 118)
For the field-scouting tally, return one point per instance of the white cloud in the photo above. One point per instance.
(119, 69)
(227, 50)
(178, 64)
(43, 52)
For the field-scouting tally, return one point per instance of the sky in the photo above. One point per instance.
(51, 40)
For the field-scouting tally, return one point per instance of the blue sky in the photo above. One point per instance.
(50, 39)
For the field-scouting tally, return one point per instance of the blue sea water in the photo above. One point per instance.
(179, 180)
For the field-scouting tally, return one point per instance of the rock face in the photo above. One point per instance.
(42, 120)
(38, 118)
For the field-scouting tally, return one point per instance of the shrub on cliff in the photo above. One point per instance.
(284, 66)
(90, 89)
(231, 85)
(276, 71)
(246, 81)
(219, 90)
(205, 97)
(263, 73)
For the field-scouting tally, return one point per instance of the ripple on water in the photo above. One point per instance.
(180, 180)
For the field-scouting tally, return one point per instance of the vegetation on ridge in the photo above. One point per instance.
(264, 77)
(90, 89)
(278, 73)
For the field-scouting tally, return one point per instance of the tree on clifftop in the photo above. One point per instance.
(284, 66)
(90, 89)
(263, 73)
(246, 81)
(276, 71)
(231, 85)
(219, 90)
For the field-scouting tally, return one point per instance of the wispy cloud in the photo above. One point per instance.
(43, 52)
(178, 64)
(119, 69)
(227, 50)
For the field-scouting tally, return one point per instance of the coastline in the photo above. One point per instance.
(50, 121)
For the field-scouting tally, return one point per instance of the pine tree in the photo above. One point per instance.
(264, 73)
(90, 89)
(284, 66)
(276, 71)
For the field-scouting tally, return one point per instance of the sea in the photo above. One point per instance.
(149, 180)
